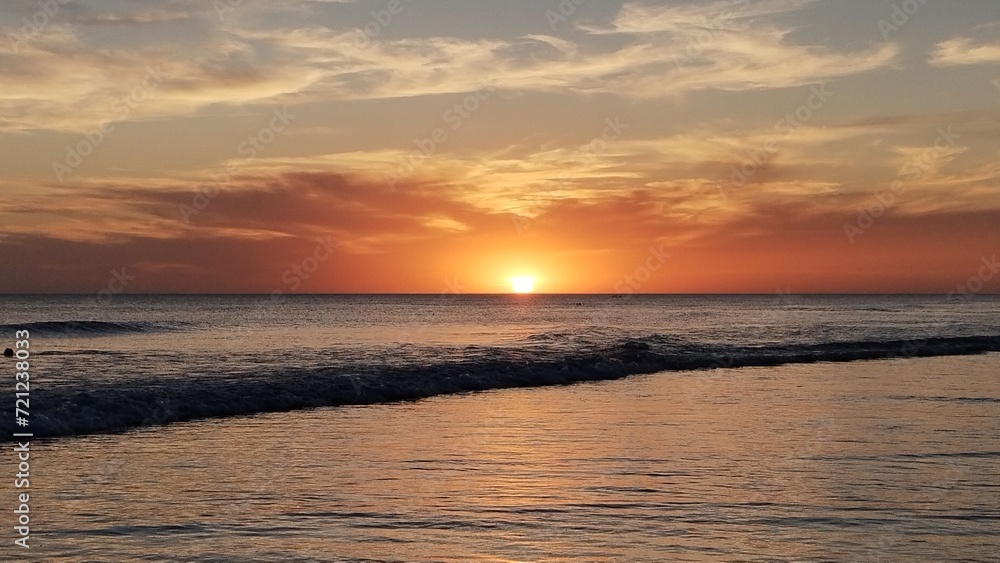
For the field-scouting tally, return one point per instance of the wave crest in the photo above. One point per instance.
(113, 407)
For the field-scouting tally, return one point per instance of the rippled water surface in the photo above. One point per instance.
(889, 460)
(712, 428)
(105, 366)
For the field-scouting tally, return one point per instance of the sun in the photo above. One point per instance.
(522, 284)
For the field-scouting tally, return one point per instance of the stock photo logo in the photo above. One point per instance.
(384, 280)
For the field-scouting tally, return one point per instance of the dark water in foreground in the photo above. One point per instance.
(864, 461)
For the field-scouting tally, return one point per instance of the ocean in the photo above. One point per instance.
(444, 428)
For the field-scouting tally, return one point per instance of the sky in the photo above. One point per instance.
(446, 146)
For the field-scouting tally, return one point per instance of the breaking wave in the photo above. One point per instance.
(113, 407)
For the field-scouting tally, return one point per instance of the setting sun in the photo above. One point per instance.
(522, 284)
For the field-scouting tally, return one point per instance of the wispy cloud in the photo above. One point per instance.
(964, 51)
(386, 238)
(67, 79)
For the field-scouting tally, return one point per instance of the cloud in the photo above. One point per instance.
(263, 207)
(526, 177)
(963, 51)
(672, 49)
(695, 19)
(71, 77)
(146, 15)
(416, 238)
(59, 81)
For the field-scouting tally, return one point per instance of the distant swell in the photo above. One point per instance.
(81, 329)
(65, 411)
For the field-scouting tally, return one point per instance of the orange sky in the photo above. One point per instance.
(724, 146)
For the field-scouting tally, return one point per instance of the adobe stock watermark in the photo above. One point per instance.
(291, 280)
(613, 130)
(626, 287)
(250, 148)
(788, 125)
(787, 300)
(707, 35)
(264, 136)
(656, 258)
(91, 140)
(563, 12)
(299, 273)
(223, 7)
(961, 295)
(964, 291)
(453, 288)
(118, 282)
(697, 387)
(521, 224)
(160, 414)
(455, 117)
(900, 16)
(911, 171)
(34, 26)
(379, 22)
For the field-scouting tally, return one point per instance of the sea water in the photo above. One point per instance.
(252, 428)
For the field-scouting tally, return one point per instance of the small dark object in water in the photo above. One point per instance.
(8, 353)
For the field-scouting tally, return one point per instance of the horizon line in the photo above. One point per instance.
(478, 294)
